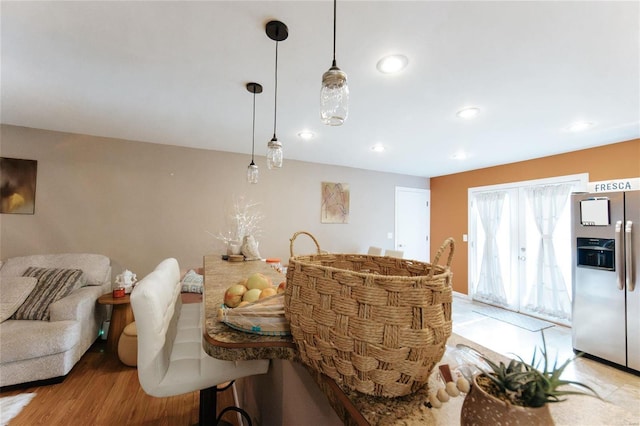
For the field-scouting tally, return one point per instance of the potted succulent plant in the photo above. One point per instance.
(519, 392)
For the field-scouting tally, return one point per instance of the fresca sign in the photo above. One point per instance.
(631, 184)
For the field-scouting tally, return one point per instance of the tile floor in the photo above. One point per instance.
(616, 386)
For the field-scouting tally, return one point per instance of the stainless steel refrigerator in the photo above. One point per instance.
(606, 256)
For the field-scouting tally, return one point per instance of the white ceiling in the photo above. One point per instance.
(175, 73)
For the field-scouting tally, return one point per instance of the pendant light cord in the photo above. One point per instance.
(253, 137)
(334, 32)
(275, 98)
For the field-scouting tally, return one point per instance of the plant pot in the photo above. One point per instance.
(482, 408)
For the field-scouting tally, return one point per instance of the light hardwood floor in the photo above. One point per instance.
(102, 391)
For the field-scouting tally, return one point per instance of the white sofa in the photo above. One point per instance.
(35, 350)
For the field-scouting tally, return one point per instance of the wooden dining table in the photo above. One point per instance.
(352, 407)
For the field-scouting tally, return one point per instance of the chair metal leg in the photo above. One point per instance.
(208, 406)
(220, 422)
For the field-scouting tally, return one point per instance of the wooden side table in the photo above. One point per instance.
(121, 315)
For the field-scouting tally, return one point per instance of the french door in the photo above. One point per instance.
(520, 248)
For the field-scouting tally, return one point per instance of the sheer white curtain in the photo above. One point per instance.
(549, 293)
(490, 285)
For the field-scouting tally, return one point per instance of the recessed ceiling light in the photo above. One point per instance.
(306, 135)
(579, 126)
(460, 155)
(392, 64)
(377, 148)
(468, 112)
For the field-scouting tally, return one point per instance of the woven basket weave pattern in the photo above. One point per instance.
(374, 324)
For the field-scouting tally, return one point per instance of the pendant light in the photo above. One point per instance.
(276, 31)
(252, 170)
(334, 94)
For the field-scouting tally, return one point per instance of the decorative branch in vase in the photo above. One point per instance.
(243, 220)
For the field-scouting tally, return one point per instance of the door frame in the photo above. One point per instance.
(516, 236)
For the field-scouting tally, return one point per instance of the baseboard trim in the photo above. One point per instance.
(35, 383)
(461, 295)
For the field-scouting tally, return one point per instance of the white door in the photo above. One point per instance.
(413, 220)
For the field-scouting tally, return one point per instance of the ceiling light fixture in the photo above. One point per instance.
(579, 126)
(334, 94)
(377, 148)
(306, 135)
(278, 32)
(468, 112)
(392, 64)
(460, 155)
(252, 170)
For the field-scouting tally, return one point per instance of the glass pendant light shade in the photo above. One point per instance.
(274, 154)
(334, 93)
(276, 31)
(252, 173)
(334, 97)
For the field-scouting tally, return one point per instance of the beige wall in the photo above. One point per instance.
(139, 203)
(449, 193)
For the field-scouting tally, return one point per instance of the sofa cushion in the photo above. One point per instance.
(23, 340)
(53, 284)
(13, 292)
(192, 282)
(96, 267)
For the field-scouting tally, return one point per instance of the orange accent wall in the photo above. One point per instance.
(449, 193)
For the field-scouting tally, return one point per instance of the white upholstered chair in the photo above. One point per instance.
(394, 253)
(171, 360)
(375, 251)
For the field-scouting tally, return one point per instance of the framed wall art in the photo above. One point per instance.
(18, 185)
(334, 203)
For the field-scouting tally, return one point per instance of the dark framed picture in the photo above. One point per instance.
(18, 185)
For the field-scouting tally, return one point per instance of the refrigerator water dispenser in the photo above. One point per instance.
(596, 253)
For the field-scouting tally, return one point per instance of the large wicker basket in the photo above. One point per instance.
(374, 324)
